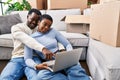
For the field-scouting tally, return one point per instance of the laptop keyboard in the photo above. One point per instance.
(50, 63)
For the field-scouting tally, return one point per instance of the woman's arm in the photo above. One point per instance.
(28, 54)
(60, 38)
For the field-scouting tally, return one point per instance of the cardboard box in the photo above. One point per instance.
(66, 4)
(39, 4)
(77, 23)
(105, 23)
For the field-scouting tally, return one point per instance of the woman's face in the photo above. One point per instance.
(44, 25)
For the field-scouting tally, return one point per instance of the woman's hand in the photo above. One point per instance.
(48, 54)
(42, 66)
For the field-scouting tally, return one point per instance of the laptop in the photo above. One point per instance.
(64, 60)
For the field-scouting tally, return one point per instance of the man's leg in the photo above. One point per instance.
(14, 70)
(76, 72)
(48, 75)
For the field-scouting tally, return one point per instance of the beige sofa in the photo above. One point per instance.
(76, 39)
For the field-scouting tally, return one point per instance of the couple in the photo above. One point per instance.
(43, 42)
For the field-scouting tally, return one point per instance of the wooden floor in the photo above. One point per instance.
(84, 65)
(4, 62)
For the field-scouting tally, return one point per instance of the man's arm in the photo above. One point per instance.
(29, 41)
(25, 38)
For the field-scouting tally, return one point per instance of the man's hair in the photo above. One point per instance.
(46, 16)
(35, 11)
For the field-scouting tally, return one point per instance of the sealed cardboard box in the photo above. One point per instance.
(105, 23)
(65, 4)
(39, 4)
(77, 23)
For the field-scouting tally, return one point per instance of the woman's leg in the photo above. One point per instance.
(14, 70)
(48, 75)
(30, 73)
(76, 72)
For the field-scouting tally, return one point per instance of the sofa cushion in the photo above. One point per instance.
(7, 21)
(76, 39)
(5, 53)
(57, 15)
(6, 40)
(23, 14)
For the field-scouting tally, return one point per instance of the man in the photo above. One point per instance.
(16, 67)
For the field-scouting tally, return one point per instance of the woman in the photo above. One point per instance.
(49, 37)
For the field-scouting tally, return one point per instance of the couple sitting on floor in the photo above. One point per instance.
(42, 41)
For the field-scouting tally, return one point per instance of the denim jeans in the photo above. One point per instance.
(75, 72)
(16, 69)
(48, 75)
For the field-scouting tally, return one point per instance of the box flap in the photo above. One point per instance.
(63, 19)
(77, 19)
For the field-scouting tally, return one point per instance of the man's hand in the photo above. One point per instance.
(48, 54)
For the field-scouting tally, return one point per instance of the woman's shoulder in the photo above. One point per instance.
(35, 34)
(53, 30)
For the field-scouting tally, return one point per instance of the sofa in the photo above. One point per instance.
(76, 39)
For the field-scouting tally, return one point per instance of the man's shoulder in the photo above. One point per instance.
(18, 25)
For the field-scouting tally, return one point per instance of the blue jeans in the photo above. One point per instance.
(75, 72)
(48, 75)
(16, 69)
(45, 74)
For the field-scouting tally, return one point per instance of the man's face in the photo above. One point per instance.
(32, 20)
